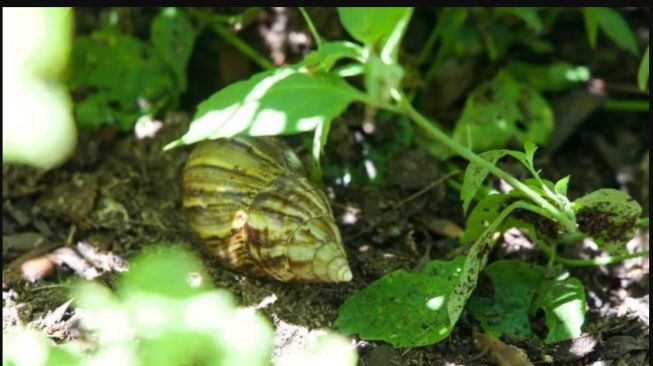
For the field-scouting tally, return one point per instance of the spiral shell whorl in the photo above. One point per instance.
(249, 202)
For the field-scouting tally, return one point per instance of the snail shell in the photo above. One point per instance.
(249, 201)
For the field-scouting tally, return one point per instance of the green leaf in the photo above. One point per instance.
(320, 137)
(609, 216)
(528, 15)
(163, 272)
(561, 186)
(475, 261)
(520, 289)
(475, 174)
(529, 152)
(642, 74)
(402, 308)
(283, 101)
(484, 213)
(591, 25)
(563, 302)
(173, 38)
(556, 76)
(381, 78)
(370, 25)
(125, 73)
(615, 27)
(487, 211)
(506, 313)
(500, 110)
(332, 52)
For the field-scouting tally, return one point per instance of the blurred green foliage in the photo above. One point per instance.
(164, 312)
(118, 77)
(37, 123)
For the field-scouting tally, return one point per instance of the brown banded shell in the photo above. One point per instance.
(249, 201)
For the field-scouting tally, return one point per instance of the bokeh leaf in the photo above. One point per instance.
(642, 74)
(173, 38)
(500, 110)
(616, 28)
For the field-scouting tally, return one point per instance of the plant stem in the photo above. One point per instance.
(216, 23)
(568, 223)
(242, 47)
(569, 262)
(311, 27)
(428, 46)
(626, 105)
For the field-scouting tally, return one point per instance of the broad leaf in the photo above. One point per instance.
(121, 73)
(609, 216)
(556, 76)
(563, 302)
(519, 290)
(503, 109)
(370, 25)
(506, 313)
(283, 101)
(402, 308)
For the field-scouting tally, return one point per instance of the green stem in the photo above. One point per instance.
(626, 105)
(311, 27)
(569, 262)
(426, 51)
(568, 223)
(242, 47)
(216, 23)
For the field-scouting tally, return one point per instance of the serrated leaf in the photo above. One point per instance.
(283, 101)
(173, 38)
(642, 74)
(507, 313)
(503, 109)
(615, 27)
(609, 216)
(370, 25)
(563, 302)
(402, 308)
